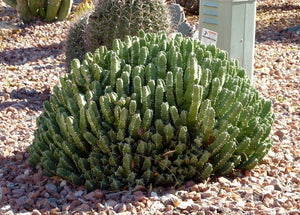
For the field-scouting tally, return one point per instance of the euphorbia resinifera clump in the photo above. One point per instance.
(151, 111)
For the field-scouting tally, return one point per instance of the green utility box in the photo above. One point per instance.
(230, 25)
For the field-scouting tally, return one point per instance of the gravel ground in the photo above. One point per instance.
(31, 62)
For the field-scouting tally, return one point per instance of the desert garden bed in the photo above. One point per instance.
(32, 60)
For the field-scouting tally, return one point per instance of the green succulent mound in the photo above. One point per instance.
(151, 111)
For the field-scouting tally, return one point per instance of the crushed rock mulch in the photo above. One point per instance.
(31, 62)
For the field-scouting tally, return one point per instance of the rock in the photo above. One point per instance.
(279, 133)
(129, 206)
(66, 207)
(5, 208)
(186, 205)
(61, 201)
(29, 202)
(63, 183)
(78, 193)
(43, 204)
(294, 212)
(71, 197)
(268, 202)
(46, 195)
(3, 190)
(206, 195)
(83, 207)
(98, 194)
(156, 206)
(10, 212)
(51, 188)
(22, 178)
(202, 187)
(139, 204)
(120, 207)
(19, 157)
(111, 203)
(171, 212)
(177, 14)
(170, 199)
(169, 208)
(21, 201)
(139, 197)
(138, 193)
(18, 192)
(53, 202)
(75, 203)
(33, 195)
(253, 179)
(90, 196)
(196, 207)
(36, 212)
(154, 195)
(186, 29)
(224, 181)
(269, 188)
(37, 177)
(197, 197)
(182, 193)
(100, 207)
(126, 198)
(195, 188)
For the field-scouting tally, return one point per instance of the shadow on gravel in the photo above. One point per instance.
(284, 28)
(284, 7)
(23, 98)
(16, 181)
(23, 55)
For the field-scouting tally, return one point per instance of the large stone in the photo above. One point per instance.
(51, 188)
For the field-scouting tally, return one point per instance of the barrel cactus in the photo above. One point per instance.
(154, 111)
(112, 19)
(116, 18)
(75, 46)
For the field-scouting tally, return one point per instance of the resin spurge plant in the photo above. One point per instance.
(113, 19)
(49, 11)
(151, 111)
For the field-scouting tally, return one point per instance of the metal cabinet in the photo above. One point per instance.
(230, 24)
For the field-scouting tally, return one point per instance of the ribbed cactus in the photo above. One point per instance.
(151, 111)
(114, 19)
(50, 11)
(75, 46)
